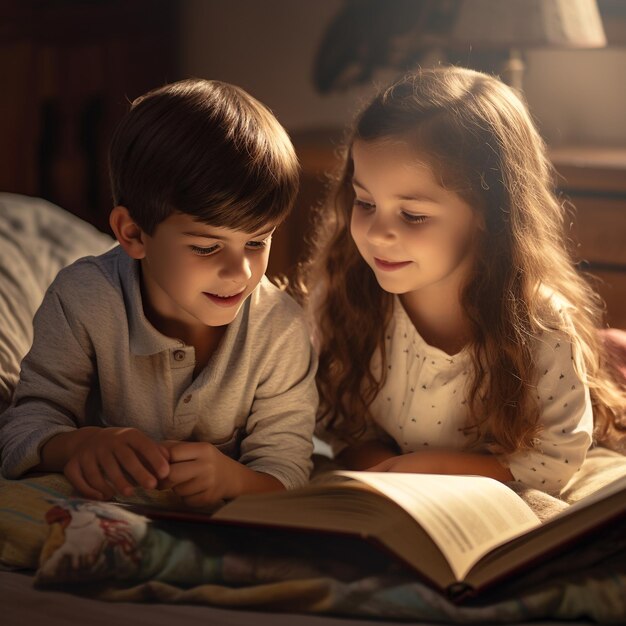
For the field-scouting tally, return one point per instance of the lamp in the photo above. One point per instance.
(518, 24)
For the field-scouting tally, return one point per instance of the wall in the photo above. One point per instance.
(268, 47)
(579, 96)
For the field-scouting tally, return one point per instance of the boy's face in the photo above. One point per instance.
(194, 274)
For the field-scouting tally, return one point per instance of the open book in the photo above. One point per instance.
(461, 533)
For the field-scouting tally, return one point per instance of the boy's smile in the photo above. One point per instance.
(225, 300)
(196, 275)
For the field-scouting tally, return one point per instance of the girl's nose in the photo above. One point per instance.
(380, 231)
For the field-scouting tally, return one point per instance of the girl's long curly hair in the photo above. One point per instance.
(479, 139)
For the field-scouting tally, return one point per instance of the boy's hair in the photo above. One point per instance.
(479, 138)
(207, 149)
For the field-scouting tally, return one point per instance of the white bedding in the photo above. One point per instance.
(37, 239)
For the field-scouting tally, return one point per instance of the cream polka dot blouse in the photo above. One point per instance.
(423, 404)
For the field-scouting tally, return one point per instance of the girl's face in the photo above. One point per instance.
(415, 235)
(194, 274)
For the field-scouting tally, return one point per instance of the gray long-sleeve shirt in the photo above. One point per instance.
(96, 360)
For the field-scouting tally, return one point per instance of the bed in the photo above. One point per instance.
(178, 572)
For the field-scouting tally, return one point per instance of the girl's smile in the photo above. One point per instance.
(390, 266)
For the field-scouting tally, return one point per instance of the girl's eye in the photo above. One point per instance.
(204, 251)
(367, 206)
(258, 245)
(414, 219)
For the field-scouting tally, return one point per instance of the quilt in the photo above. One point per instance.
(105, 551)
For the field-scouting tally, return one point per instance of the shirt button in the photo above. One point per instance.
(179, 355)
(187, 399)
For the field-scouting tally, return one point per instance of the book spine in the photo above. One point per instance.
(459, 592)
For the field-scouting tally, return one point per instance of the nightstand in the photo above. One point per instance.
(593, 179)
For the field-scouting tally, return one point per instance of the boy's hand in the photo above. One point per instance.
(199, 472)
(102, 463)
(201, 475)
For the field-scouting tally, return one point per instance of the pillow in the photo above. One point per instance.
(23, 526)
(29, 522)
(37, 239)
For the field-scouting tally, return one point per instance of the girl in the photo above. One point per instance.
(455, 335)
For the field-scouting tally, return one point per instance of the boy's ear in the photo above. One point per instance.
(127, 232)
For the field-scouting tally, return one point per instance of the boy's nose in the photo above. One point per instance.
(236, 268)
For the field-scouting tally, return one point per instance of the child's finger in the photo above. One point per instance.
(131, 464)
(192, 450)
(181, 472)
(91, 471)
(73, 473)
(154, 457)
(149, 467)
(168, 444)
(116, 476)
(193, 486)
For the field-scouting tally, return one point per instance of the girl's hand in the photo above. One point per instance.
(362, 456)
(201, 475)
(112, 460)
(413, 462)
(446, 462)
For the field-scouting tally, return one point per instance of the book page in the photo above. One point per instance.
(602, 493)
(466, 516)
(563, 529)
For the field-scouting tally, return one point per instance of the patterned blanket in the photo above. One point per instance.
(105, 551)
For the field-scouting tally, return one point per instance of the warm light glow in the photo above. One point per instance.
(529, 23)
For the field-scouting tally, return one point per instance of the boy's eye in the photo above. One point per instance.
(204, 251)
(414, 219)
(368, 206)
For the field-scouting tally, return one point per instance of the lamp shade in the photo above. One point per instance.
(529, 23)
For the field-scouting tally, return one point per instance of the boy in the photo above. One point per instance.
(171, 360)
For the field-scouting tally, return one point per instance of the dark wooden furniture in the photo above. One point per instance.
(594, 180)
(316, 150)
(67, 70)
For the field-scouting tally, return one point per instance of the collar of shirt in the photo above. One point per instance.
(144, 338)
(407, 334)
